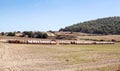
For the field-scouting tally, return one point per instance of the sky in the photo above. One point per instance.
(45, 15)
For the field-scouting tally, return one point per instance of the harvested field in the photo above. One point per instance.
(102, 37)
(31, 57)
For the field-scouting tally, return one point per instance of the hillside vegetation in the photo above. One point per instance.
(109, 25)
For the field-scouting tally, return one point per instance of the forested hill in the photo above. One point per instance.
(109, 25)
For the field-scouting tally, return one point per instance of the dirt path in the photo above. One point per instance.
(12, 59)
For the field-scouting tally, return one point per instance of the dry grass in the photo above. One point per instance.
(104, 37)
(27, 57)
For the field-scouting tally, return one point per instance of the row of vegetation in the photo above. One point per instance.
(90, 39)
(29, 34)
(8, 33)
(104, 26)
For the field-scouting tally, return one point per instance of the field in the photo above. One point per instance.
(31, 57)
(102, 37)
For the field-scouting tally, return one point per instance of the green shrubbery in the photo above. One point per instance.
(105, 26)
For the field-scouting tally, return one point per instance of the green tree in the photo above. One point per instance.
(44, 35)
(105, 26)
(2, 33)
(11, 34)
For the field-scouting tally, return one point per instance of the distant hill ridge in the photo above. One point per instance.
(109, 25)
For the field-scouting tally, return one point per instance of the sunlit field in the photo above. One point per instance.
(102, 37)
(59, 35)
(35, 57)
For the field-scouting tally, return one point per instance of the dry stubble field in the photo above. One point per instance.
(102, 37)
(31, 57)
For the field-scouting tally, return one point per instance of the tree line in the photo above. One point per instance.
(105, 26)
(29, 34)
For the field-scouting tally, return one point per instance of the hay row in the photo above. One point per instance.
(50, 42)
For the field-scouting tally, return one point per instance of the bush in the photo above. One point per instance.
(113, 40)
(45, 35)
(11, 34)
(2, 33)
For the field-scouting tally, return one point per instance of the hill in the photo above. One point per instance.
(105, 26)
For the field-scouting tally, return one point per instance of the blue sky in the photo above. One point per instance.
(44, 15)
